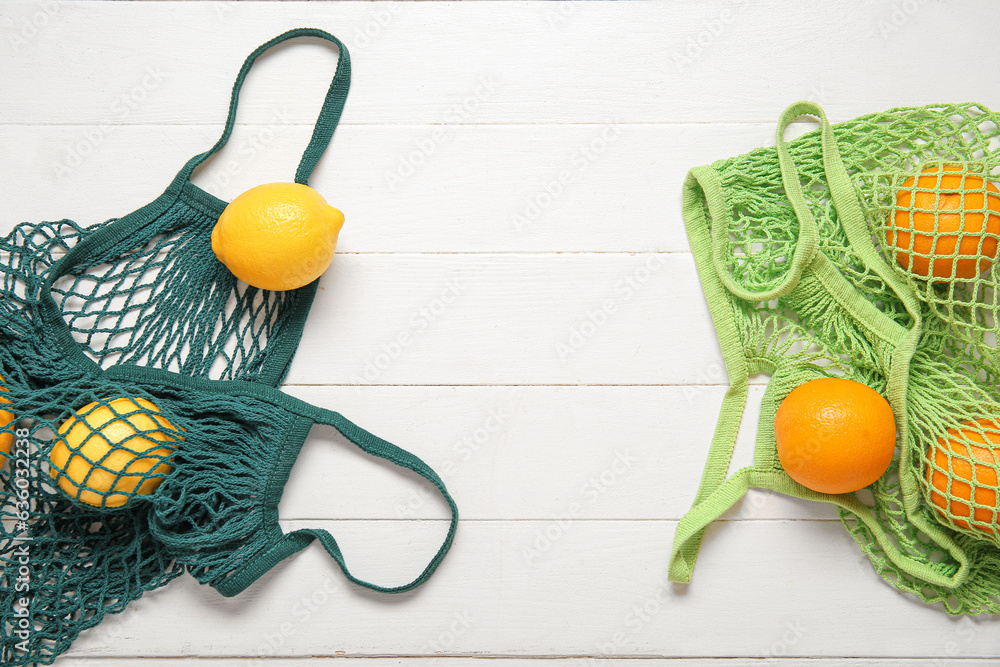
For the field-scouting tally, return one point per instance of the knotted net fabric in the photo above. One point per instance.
(142, 435)
(866, 250)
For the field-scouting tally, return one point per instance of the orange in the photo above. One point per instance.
(278, 236)
(835, 435)
(965, 485)
(957, 212)
(6, 421)
(106, 451)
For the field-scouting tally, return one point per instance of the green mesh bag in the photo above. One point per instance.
(142, 434)
(866, 250)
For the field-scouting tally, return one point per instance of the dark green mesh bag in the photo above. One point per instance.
(141, 431)
(867, 250)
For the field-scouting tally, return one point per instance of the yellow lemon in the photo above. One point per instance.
(277, 236)
(6, 419)
(107, 449)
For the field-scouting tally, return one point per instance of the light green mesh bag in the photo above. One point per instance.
(866, 250)
(141, 431)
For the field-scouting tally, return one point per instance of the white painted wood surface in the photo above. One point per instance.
(462, 120)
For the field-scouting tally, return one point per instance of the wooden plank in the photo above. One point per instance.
(444, 319)
(403, 188)
(525, 453)
(596, 588)
(719, 61)
(509, 319)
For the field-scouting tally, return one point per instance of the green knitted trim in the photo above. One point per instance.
(702, 182)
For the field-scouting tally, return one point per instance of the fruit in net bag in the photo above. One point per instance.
(6, 423)
(961, 474)
(111, 451)
(945, 224)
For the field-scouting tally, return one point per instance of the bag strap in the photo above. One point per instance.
(845, 200)
(290, 543)
(716, 493)
(807, 244)
(328, 118)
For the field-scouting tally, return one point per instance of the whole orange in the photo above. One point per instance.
(835, 435)
(943, 218)
(952, 476)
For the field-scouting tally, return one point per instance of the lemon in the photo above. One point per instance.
(6, 419)
(108, 449)
(277, 236)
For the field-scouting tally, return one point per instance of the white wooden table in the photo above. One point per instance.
(529, 156)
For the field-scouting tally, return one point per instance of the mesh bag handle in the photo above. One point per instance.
(177, 532)
(328, 118)
(291, 543)
(717, 493)
(808, 239)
